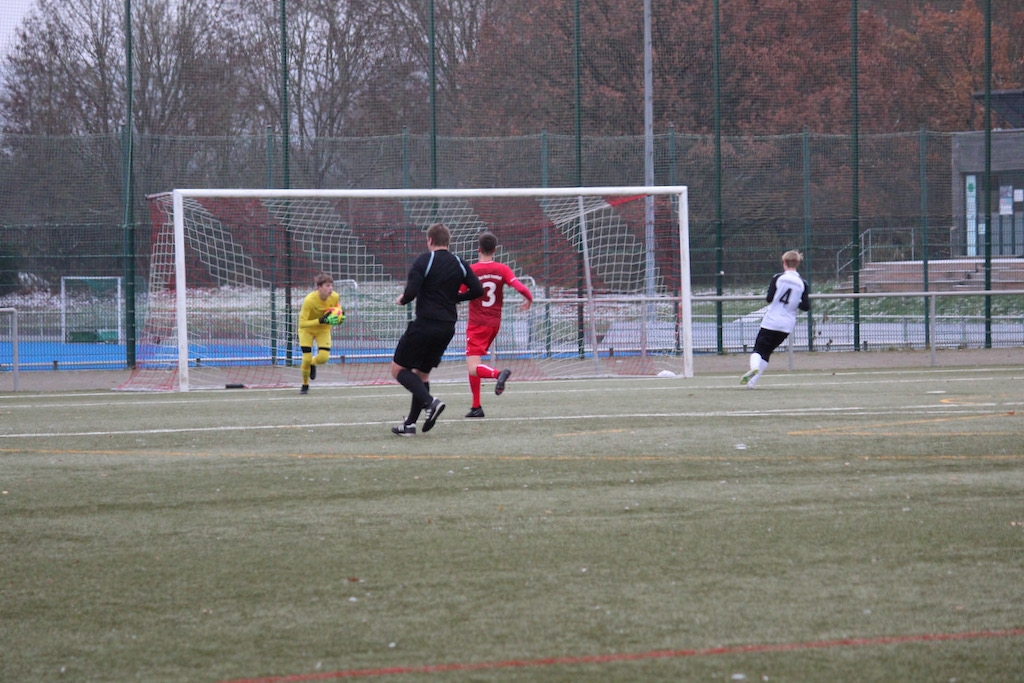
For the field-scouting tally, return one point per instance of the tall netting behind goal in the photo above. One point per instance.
(608, 267)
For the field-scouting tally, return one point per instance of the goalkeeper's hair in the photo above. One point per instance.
(323, 278)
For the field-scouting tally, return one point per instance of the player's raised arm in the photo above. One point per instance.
(517, 285)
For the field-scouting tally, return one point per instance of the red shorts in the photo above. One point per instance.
(479, 339)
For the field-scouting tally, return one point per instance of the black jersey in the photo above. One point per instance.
(434, 282)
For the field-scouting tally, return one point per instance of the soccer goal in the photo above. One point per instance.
(608, 268)
(91, 309)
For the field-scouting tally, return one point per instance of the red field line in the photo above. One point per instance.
(625, 657)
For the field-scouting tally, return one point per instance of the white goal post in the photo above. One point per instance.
(608, 267)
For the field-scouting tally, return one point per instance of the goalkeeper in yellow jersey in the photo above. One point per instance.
(317, 316)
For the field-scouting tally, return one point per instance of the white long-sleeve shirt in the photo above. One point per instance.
(787, 293)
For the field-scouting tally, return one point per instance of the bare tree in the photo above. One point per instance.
(67, 72)
(335, 52)
(64, 75)
(63, 101)
(184, 82)
(457, 26)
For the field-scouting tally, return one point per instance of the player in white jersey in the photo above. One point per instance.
(787, 293)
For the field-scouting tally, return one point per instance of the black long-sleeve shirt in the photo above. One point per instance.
(434, 282)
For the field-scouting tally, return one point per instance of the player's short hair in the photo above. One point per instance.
(323, 278)
(488, 242)
(792, 258)
(439, 234)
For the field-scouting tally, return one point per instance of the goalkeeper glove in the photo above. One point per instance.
(332, 318)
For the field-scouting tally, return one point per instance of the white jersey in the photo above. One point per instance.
(787, 293)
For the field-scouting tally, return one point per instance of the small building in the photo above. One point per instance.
(1007, 187)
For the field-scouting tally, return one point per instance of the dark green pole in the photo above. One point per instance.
(286, 181)
(807, 230)
(671, 154)
(269, 138)
(546, 242)
(544, 171)
(719, 237)
(128, 170)
(405, 158)
(672, 181)
(580, 335)
(923, 153)
(987, 203)
(433, 100)
(273, 253)
(577, 93)
(855, 180)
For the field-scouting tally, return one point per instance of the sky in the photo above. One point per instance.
(11, 14)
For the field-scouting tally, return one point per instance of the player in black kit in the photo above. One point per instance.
(434, 282)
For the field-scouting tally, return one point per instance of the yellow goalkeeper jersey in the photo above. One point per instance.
(313, 308)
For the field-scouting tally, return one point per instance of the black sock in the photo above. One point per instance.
(414, 412)
(415, 408)
(419, 390)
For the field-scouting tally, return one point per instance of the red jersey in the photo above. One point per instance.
(486, 310)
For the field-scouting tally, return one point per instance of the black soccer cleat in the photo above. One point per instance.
(432, 412)
(304, 390)
(404, 430)
(475, 412)
(503, 376)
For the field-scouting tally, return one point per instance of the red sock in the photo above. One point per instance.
(474, 386)
(486, 371)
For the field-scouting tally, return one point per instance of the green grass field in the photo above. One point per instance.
(849, 526)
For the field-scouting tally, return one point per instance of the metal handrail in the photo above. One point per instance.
(930, 296)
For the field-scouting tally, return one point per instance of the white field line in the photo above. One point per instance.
(780, 380)
(901, 410)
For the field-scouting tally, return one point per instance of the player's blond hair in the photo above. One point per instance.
(792, 259)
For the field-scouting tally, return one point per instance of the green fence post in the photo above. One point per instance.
(273, 254)
(855, 180)
(807, 230)
(129, 193)
(923, 156)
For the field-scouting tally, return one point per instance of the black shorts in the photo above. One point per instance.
(767, 341)
(423, 344)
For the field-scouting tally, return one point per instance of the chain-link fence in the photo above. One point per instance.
(866, 134)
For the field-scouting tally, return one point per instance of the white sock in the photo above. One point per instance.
(755, 362)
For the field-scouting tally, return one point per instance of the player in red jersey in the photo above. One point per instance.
(485, 318)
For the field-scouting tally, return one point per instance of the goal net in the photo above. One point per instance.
(608, 269)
